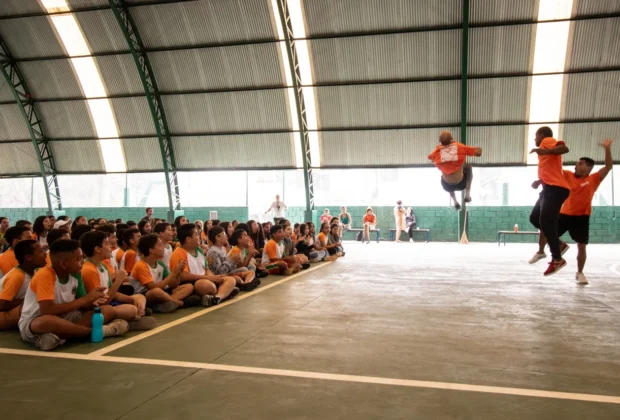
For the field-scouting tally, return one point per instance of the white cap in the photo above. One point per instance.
(61, 223)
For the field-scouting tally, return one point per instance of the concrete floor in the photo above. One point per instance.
(475, 314)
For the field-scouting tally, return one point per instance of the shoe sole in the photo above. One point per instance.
(541, 258)
(166, 307)
(144, 323)
(562, 252)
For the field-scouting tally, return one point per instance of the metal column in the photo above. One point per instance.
(464, 64)
(21, 93)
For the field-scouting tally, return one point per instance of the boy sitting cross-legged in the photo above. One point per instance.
(151, 277)
(56, 306)
(221, 264)
(274, 258)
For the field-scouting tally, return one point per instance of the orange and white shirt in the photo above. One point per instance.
(143, 274)
(46, 285)
(167, 255)
(7, 261)
(118, 255)
(449, 159)
(95, 276)
(273, 250)
(14, 284)
(322, 238)
(194, 264)
(129, 259)
(550, 166)
(579, 202)
(113, 262)
(48, 259)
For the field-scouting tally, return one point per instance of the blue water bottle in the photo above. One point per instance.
(96, 335)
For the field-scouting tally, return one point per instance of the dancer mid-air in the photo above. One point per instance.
(449, 157)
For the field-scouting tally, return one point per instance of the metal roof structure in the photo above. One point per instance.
(386, 78)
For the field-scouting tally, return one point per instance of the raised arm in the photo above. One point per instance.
(609, 162)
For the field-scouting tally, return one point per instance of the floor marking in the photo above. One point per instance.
(614, 269)
(448, 386)
(187, 318)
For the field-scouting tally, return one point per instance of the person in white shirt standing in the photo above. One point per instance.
(279, 208)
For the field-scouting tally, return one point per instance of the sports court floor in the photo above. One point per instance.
(406, 331)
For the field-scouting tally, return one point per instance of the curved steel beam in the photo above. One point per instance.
(21, 93)
(151, 91)
(293, 62)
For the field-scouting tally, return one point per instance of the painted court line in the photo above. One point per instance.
(448, 386)
(187, 318)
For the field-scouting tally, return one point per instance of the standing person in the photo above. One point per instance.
(345, 219)
(555, 191)
(325, 217)
(575, 213)
(149, 214)
(279, 208)
(399, 219)
(410, 222)
(370, 223)
(449, 157)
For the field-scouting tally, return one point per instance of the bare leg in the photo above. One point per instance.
(127, 312)
(58, 326)
(157, 296)
(581, 257)
(454, 200)
(398, 232)
(225, 287)
(366, 236)
(205, 287)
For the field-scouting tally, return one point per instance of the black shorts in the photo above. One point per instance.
(467, 174)
(578, 227)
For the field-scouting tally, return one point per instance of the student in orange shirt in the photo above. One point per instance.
(575, 213)
(555, 191)
(13, 235)
(273, 254)
(53, 236)
(14, 285)
(323, 245)
(131, 237)
(370, 222)
(449, 157)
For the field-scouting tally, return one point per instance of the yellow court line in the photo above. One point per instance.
(447, 386)
(187, 318)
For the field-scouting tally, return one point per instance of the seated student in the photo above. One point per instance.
(79, 230)
(345, 219)
(131, 223)
(40, 228)
(110, 263)
(215, 222)
(180, 221)
(290, 251)
(24, 223)
(175, 237)
(325, 217)
(13, 235)
(62, 223)
(322, 245)
(53, 236)
(256, 234)
(96, 246)
(370, 223)
(221, 264)
(241, 254)
(255, 265)
(334, 243)
(267, 230)
(120, 251)
(150, 278)
(304, 243)
(234, 224)
(212, 288)
(164, 230)
(56, 306)
(273, 254)
(295, 232)
(80, 220)
(4, 225)
(130, 257)
(144, 226)
(208, 224)
(13, 285)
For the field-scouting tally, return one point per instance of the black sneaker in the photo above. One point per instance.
(305, 266)
(148, 312)
(208, 301)
(232, 294)
(261, 274)
(165, 307)
(193, 300)
(246, 287)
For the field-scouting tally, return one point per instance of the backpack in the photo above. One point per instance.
(359, 237)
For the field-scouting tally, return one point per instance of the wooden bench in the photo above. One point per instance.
(377, 231)
(512, 232)
(427, 231)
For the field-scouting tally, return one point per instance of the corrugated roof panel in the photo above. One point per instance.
(238, 151)
(18, 158)
(501, 49)
(592, 7)
(591, 95)
(204, 22)
(583, 140)
(18, 7)
(6, 93)
(78, 156)
(501, 145)
(595, 44)
(388, 105)
(228, 111)
(218, 68)
(387, 57)
(133, 116)
(77, 4)
(51, 79)
(378, 147)
(497, 100)
(12, 124)
(143, 154)
(102, 31)
(328, 17)
(120, 74)
(489, 11)
(66, 119)
(31, 37)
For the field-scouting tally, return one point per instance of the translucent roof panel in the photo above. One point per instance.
(596, 44)
(498, 100)
(238, 151)
(51, 79)
(204, 22)
(18, 159)
(501, 49)
(591, 95)
(388, 105)
(493, 11)
(12, 124)
(328, 17)
(102, 31)
(77, 156)
(18, 7)
(501, 145)
(66, 119)
(228, 112)
(31, 37)
(387, 57)
(218, 68)
(143, 154)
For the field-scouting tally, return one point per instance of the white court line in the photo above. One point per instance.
(448, 386)
(187, 318)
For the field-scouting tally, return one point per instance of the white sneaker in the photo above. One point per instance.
(48, 341)
(581, 278)
(537, 257)
(115, 328)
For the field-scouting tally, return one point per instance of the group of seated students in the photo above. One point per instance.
(53, 273)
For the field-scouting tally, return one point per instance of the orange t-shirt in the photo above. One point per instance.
(370, 218)
(550, 166)
(12, 283)
(449, 159)
(48, 259)
(579, 202)
(91, 277)
(271, 249)
(111, 269)
(119, 256)
(130, 260)
(322, 239)
(7, 261)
